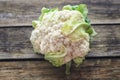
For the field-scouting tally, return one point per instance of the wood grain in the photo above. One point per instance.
(91, 69)
(15, 43)
(22, 12)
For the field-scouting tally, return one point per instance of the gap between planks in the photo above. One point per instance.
(39, 57)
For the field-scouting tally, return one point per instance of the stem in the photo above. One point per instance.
(68, 66)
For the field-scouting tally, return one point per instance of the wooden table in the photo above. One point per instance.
(18, 61)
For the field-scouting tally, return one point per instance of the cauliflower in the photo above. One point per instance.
(62, 36)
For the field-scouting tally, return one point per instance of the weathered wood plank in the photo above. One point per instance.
(22, 12)
(15, 43)
(91, 69)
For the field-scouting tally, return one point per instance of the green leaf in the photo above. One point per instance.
(83, 9)
(91, 31)
(46, 10)
(34, 23)
(77, 32)
(56, 58)
(67, 7)
(78, 61)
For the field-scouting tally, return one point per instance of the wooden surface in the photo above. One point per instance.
(22, 12)
(91, 69)
(18, 61)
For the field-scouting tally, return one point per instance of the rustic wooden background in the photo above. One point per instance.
(18, 61)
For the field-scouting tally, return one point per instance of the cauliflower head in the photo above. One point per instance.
(62, 35)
